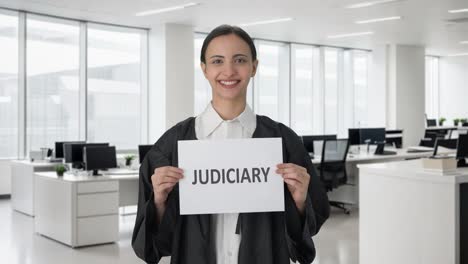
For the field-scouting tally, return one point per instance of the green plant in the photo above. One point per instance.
(456, 121)
(441, 121)
(128, 159)
(60, 169)
(463, 120)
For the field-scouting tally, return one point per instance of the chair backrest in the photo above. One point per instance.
(333, 165)
(431, 122)
(446, 143)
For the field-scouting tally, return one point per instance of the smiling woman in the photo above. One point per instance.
(228, 61)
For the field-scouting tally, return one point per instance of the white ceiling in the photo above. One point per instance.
(424, 21)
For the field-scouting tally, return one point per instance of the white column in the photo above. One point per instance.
(406, 93)
(171, 77)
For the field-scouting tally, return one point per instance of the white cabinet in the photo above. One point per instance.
(77, 211)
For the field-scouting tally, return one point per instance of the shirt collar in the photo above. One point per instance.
(211, 120)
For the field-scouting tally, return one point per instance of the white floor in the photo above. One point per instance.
(337, 242)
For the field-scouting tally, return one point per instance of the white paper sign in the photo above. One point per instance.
(230, 176)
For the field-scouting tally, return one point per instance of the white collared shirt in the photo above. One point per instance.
(209, 125)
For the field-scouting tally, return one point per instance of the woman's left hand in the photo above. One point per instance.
(297, 179)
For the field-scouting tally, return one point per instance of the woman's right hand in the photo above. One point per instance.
(163, 180)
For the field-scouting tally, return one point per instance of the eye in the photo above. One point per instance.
(240, 60)
(216, 61)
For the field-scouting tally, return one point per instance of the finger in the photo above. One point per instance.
(292, 183)
(171, 174)
(166, 180)
(290, 165)
(288, 170)
(166, 187)
(293, 176)
(168, 168)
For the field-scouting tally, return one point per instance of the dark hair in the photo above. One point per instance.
(227, 30)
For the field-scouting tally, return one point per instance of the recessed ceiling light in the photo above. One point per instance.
(163, 10)
(464, 42)
(458, 10)
(351, 35)
(378, 20)
(457, 54)
(371, 3)
(267, 22)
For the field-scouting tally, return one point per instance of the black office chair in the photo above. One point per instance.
(430, 139)
(465, 124)
(446, 143)
(332, 168)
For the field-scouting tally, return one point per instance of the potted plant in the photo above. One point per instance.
(463, 121)
(456, 121)
(60, 169)
(128, 160)
(441, 121)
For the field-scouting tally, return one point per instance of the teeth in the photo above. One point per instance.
(228, 82)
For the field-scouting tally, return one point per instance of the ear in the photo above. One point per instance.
(254, 70)
(203, 67)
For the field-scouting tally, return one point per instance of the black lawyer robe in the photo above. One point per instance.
(271, 237)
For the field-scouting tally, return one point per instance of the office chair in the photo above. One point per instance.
(446, 143)
(430, 139)
(465, 124)
(332, 167)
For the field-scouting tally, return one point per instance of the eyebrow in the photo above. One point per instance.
(236, 55)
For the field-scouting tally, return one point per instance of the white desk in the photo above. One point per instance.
(82, 210)
(350, 193)
(411, 216)
(22, 183)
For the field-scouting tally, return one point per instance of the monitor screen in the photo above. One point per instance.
(73, 152)
(372, 135)
(308, 141)
(462, 146)
(59, 147)
(99, 157)
(354, 136)
(142, 150)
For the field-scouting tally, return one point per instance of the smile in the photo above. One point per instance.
(228, 83)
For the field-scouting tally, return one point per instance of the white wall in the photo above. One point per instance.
(453, 89)
(5, 177)
(376, 92)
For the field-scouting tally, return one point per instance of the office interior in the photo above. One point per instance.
(379, 83)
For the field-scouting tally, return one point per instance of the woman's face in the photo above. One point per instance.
(229, 67)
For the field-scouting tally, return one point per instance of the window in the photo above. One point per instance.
(331, 90)
(8, 85)
(305, 90)
(52, 90)
(202, 86)
(360, 76)
(115, 92)
(432, 87)
(271, 85)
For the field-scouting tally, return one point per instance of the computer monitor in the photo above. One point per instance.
(308, 141)
(73, 152)
(59, 147)
(99, 158)
(462, 150)
(142, 150)
(372, 135)
(431, 122)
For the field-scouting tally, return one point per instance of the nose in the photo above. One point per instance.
(229, 69)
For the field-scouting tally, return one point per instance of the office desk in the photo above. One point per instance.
(81, 210)
(22, 183)
(411, 216)
(350, 193)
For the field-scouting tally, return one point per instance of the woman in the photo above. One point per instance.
(228, 60)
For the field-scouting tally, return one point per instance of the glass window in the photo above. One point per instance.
(202, 86)
(52, 81)
(114, 96)
(360, 79)
(304, 89)
(271, 95)
(331, 90)
(8, 85)
(432, 87)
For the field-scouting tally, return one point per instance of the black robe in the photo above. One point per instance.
(267, 237)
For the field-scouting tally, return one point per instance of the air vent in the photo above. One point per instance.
(458, 20)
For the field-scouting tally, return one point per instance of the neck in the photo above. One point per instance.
(228, 109)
